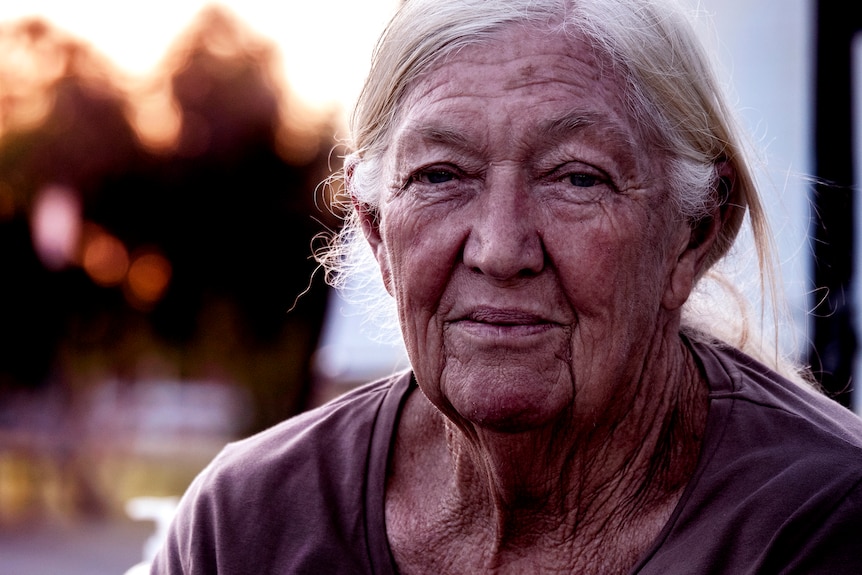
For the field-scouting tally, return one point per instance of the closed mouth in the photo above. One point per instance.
(505, 317)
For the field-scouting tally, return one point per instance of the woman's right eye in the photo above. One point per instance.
(434, 180)
(436, 176)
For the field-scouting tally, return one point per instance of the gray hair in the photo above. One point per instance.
(672, 93)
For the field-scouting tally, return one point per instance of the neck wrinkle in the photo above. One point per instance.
(602, 478)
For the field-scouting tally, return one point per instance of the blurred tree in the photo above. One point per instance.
(81, 140)
(227, 210)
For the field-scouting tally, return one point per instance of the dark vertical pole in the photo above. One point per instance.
(834, 337)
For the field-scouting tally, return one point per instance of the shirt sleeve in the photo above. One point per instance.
(190, 546)
(832, 545)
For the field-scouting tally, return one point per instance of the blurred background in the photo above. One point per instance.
(159, 197)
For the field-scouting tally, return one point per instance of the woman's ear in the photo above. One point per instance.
(368, 216)
(369, 219)
(699, 241)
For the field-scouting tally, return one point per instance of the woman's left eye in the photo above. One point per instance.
(579, 182)
(583, 180)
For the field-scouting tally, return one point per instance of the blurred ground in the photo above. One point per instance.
(88, 548)
(65, 488)
(67, 476)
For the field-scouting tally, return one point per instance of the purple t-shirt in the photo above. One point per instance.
(777, 488)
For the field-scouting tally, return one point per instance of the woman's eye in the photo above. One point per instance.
(434, 177)
(579, 183)
(583, 180)
(437, 182)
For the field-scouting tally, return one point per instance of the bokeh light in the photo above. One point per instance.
(148, 278)
(56, 224)
(104, 257)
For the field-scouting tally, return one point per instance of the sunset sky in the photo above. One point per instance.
(325, 44)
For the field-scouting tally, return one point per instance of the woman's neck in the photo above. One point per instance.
(615, 464)
(567, 488)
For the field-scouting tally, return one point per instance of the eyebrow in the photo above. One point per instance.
(440, 134)
(571, 122)
(549, 132)
(559, 129)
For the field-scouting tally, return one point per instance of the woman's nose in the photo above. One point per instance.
(505, 240)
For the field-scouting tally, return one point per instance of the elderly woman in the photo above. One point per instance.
(543, 183)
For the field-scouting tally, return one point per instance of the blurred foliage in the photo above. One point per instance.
(204, 174)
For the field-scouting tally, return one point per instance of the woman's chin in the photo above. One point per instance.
(509, 422)
(510, 404)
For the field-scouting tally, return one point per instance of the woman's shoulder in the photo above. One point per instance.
(783, 449)
(779, 479)
(756, 395)
(295, 495)
(335, 433)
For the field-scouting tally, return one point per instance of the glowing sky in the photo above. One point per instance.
(325, 44)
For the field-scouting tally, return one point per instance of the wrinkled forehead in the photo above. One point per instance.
(528, 65)
(529, 52)
(545, 84)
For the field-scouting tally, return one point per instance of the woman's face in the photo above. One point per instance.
(526, 235)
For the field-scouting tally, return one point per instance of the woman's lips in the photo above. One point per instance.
(504, 323)
(504, 317)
